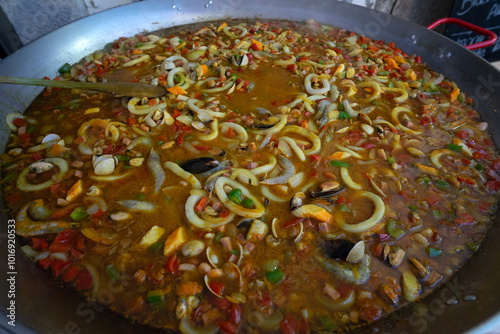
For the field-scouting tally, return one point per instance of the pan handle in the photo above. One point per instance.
(492, 37)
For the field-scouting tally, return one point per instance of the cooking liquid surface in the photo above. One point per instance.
(384, 151)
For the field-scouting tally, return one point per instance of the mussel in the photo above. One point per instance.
(199, 165)
(327, 189)
(337, 249)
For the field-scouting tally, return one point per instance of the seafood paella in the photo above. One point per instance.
(295, 178)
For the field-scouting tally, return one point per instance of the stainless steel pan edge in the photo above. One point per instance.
(43, 307)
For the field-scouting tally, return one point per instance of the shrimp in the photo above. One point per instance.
(26, 227)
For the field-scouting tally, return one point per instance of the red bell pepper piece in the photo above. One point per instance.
(83, 280)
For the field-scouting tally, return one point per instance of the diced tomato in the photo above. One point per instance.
(484, 206)
(202, 204)
(75, 254)
(464, 219)
(344, 290)
(36, 156)
(230, 133)
(370, 313)
(221, 303)
(83, 280)
(466, 162)
(201, 148)
(493, 185)
(404, 157)
(70, 274)
(462, 134)
(45, 263)
(66, 236)
(98, 214)
(179, 140)
(14, 198)
(227, 327)
(56, 247)
(487, 142)
(59, 266)
(217, 287)
(57, 190)
(80, 243)
(265, 299)
(293, 222)
(431, 200)
(65, 212)
(235, 314)
(224, 213)
(495, 164)
(39, 244)
(291, 67)
(173, 265)
(19, 122)
(418, 59)
(314, 173)
(304, 327)
(289, 325)
(316, 157)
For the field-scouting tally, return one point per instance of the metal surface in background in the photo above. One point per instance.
(44, 307)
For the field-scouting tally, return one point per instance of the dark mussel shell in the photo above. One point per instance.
(337, 249)
(199, 165)
(325, 193)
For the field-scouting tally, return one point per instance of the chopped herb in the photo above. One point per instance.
(234, 251)
(113, 272)
(327, 322)
(391, 160)
(155, 296)
(442, 184)
(321, 61)
(235, 195)
(412, 208)
(433, 251)
(393, 231)
(337, 163)
(375, 102)
(11, 176)
(454, 148)
(473, 246)
(122, 158)
(65, 68)
(79, 213)
(391, 84)
(275, 276)
(426, 179)
(438, 214)
(156, 246)
(141, 196)
(478, 167)
(218, 236)
(247, 203)
(383, 73)
(344, 208)
(30, 129)
(344, 115)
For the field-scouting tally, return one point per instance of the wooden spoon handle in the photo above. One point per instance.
(116, 88)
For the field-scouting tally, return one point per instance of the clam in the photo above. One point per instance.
(356, 253)
(301, 233)
(240, 259)
(233, 272)
(272, 241)
(297, 200)
(274, 229)
(193, 248)
(213, 259)
(368, 129)
(104, 164)
(207, 284)
(239, 60)
(50, 137)
(41, 167)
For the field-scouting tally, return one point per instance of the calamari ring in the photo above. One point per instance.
(369, 223)
(233, 207)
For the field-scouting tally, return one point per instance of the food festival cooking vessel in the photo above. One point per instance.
(469, 301)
